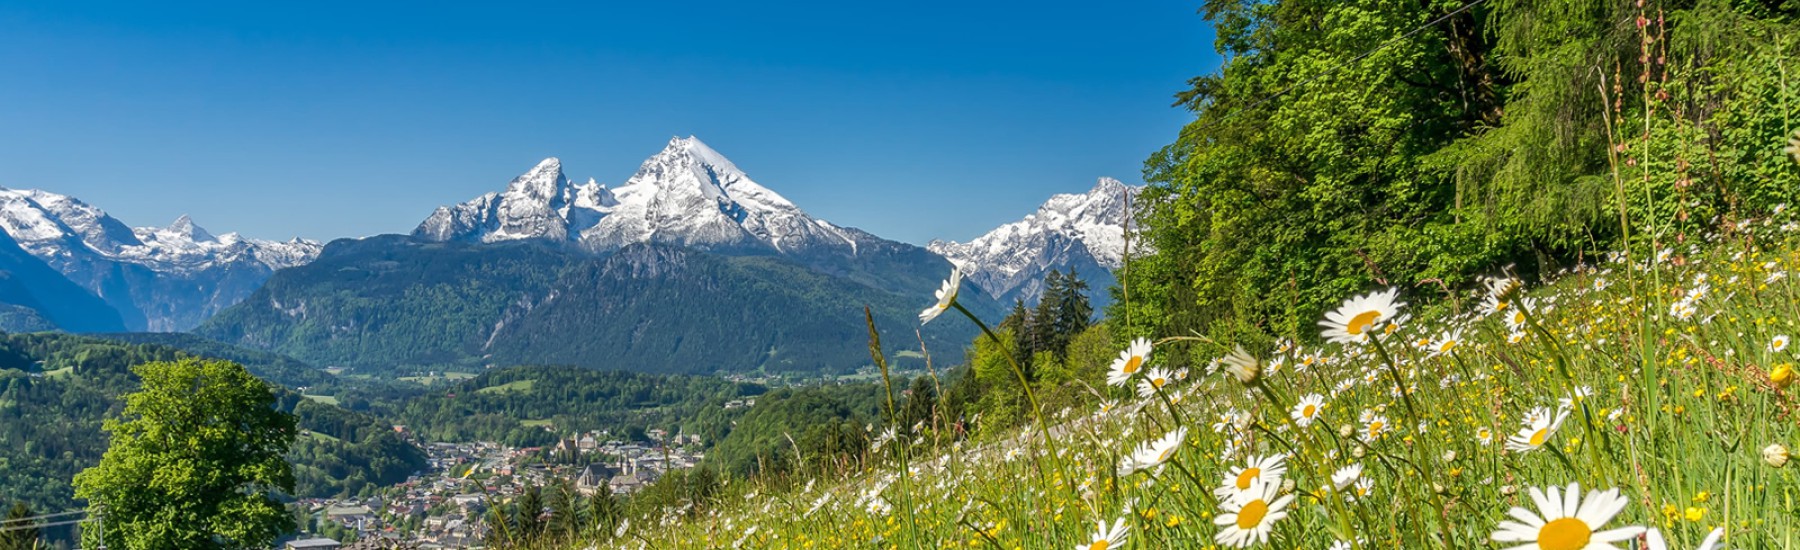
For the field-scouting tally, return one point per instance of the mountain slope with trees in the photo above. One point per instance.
(1532, 134)
(57, 389)
(392, 300)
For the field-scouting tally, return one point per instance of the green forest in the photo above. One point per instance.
(1335, 149)
(532, 405)
(56, 389)
(391, 304)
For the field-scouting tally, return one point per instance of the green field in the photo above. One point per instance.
(515, 386)
(439, 378)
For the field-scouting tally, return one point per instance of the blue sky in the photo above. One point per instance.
(913, 120)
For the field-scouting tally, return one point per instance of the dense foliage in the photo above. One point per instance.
(196, 461)
(801, 429)
(391, 302)
(56, 389)
(1509, 133)
(530, 406)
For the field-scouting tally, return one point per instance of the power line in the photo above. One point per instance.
(1341, 66)
(42, 525)
(38, 517)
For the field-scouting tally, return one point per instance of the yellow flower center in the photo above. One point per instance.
(1518, 318)
(1446, 346)
(1158, 382)
(1101, 544)
(1309, 410)
(1537, 439)
(1131, 366)
(1375, 428)
(1164, 457)
(1252, 514)
(1564, 534)
(1361, 322)
(1249, 475)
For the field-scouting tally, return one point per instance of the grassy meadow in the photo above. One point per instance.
(1644, 392)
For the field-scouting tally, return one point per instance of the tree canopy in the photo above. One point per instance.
(194, 462)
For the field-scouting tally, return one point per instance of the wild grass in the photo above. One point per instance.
(1663, 375)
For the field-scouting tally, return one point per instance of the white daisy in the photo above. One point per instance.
(1267, 469)
(1345, 476)
(1360, 489)
(946, 296)
(1779, 343)
(1250, 515)
(1356, 317)
(1446, 343)
(1308, 409)
(1484, 435)
(1564, 522)
(1374, 428)
(1107, 539)
(1515, 318)
(1537, 432)
(1653, 539)
(1154, 380)
(1153, 454)
(1130, 361)
(1242, 365)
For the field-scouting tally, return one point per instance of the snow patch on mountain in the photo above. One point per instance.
(687, 194)
(1085, 231)
(107, 257)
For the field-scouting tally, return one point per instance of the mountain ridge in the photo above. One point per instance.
(1082, 231)
(154, 278)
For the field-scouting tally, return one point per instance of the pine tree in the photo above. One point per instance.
(19, 539)
(921, 402)
(530, 507)
(565, 509)
(502, 529)
(604, 511)
(1019, 323)
(1044, 336)
(1073, 312)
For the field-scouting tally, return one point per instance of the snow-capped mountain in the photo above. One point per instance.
(159, 278)
(687, 194)
(1082, 231)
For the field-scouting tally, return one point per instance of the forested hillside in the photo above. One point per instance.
(1472, 136)
(55, 391)
(531, 406)
(395, 303)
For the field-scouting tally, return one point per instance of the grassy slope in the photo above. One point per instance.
(1675, 416)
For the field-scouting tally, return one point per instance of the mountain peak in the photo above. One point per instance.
(1081, 231)
(185, 226)
(701, 152)
(542, 182)
(1107, 186)
(687, 194)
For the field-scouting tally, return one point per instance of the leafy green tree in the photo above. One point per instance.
(195, 461)
(1524, 132)
(23, 536)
